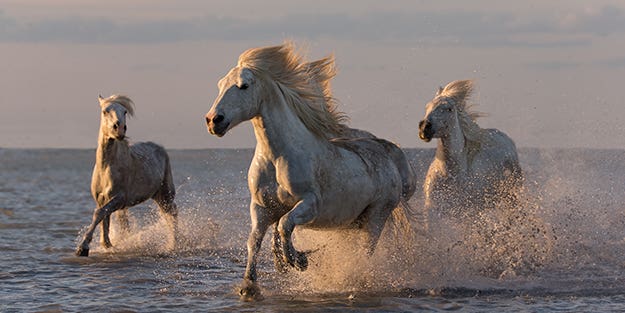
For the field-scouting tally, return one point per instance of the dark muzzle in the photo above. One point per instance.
(425, 131)
(216, 124)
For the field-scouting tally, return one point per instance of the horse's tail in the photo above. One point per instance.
(407, 173)
(168, 189)
(403, 219)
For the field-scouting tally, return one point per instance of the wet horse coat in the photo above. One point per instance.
(473, 167)
(125, 175)
(303, 173)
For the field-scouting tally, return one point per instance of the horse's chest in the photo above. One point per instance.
(284, 197)
(264, 187)
(104, 183)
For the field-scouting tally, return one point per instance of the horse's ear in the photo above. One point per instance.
(439, 91)
(100, 99)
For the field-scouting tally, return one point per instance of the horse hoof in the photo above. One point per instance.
(249, 291)
(82, 251)
(301, 262)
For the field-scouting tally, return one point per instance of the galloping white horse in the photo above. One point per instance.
(125, 175)
(302, 173)
(473, 167)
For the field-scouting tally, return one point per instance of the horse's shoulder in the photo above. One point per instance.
(261, 166)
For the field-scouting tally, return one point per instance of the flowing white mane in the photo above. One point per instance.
(459, 92)
(305, 86)
(121, 100)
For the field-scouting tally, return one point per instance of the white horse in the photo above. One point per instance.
(473, 167)
(302, 174)
(124, 175)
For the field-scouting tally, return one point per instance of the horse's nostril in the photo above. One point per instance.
(425, 125)
(115, 126)
(218, 119)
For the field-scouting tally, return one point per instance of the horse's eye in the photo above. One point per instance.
(449, 109)
(243, 86)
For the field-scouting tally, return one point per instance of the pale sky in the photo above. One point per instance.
(548, 73)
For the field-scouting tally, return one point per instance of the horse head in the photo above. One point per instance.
(275, 76)
(113, 116)
(237, 101)
(445, 110)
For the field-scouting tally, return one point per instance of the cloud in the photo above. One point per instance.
(465, 27)
(603, 21)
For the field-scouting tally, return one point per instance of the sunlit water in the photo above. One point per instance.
(575, 261)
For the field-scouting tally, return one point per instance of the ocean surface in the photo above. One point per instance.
(564, 252)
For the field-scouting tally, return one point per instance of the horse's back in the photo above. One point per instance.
(376, 154)
(408, 175)
(500, 160)
(356, 175)
(502, 142)
(151, 169)
(150, 152)
(500, 150)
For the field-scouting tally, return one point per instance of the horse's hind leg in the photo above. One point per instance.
(169, 211)
(121, 217)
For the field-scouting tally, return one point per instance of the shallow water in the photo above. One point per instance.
(577, 197)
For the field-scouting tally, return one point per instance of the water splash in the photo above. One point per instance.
(571, 221)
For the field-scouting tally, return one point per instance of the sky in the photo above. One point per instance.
(548, 73)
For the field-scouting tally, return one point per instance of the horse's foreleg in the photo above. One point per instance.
(302, 213)
(278, 253)
(98, 215)
(105, 241)
(260, 222)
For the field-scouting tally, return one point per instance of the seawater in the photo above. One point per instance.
(571, 257)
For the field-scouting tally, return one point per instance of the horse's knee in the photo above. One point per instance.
(283, 224)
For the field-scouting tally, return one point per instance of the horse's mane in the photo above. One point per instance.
(459, 92)
(305, 86)
(122, 100)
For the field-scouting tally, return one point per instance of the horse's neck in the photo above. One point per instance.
(452, 151)
(279, 131)
(111, 153)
